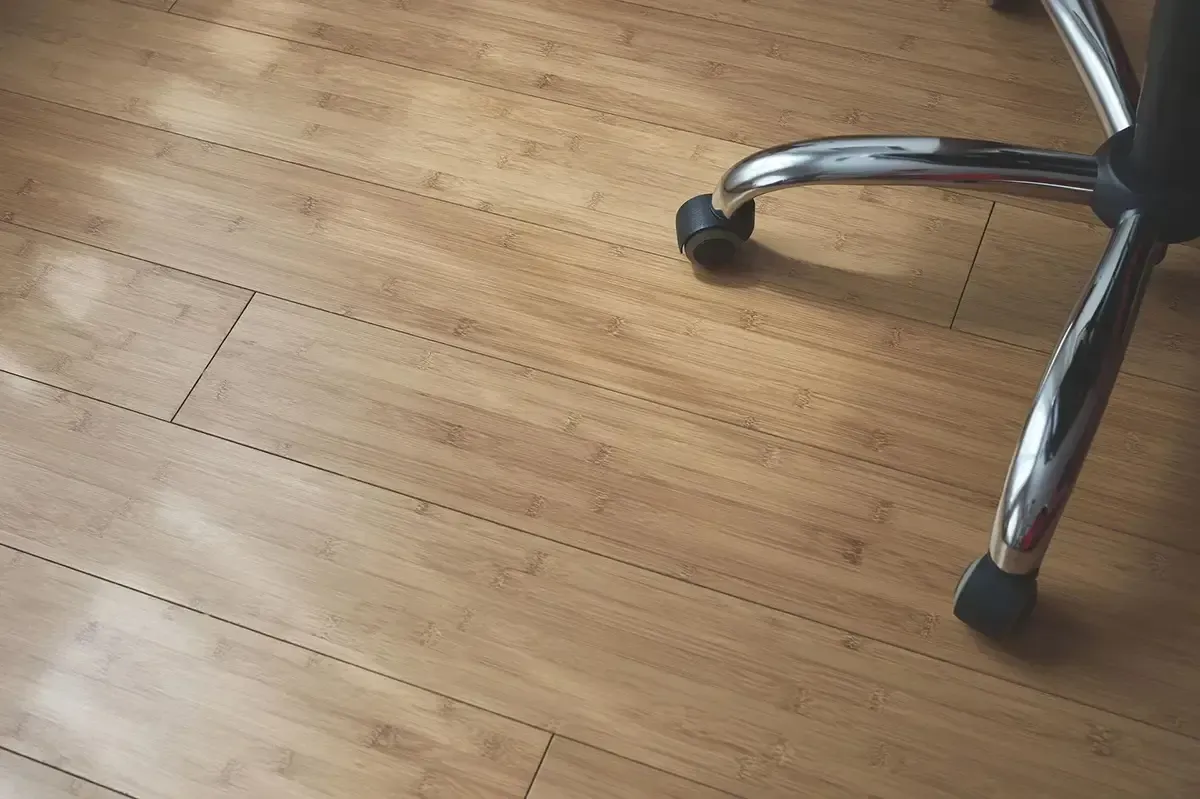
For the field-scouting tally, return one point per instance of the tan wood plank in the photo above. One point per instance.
(1028, 277)
(158, 700)
(106, 325)
(803, 530)
(606, 177)
(22, 778)
(738, 84)
(575, 771)
(911, 396)
(731, 694)
(1019, 45)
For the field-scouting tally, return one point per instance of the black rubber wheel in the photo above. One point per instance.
(994, 602)
(707, 237)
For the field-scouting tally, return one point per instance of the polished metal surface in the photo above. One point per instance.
(1071, 399)
(1096, 48)
(909, 161)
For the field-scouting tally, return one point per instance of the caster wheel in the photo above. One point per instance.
(707, 237)
(994, 602)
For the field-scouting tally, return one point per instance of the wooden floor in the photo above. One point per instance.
(363, 434)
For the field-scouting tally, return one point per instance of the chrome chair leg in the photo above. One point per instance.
(1071, 399)
(909, 161)
(997, 591)
(711, 228)
(1095, 46)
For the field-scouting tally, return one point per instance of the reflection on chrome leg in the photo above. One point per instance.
(1071, 400)
(1096, 48)
(909, 161)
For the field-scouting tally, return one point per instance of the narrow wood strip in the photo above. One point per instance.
(1018, 44)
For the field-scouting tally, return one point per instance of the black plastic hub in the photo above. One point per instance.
(715, 251)
(1172, 212)
(707, 237)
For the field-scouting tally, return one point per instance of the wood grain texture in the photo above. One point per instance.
(157, 700)
(708, 687)
(106, 325)
(1010, 63)
(1031, 270)
(754, 354)
(601, 176)
(22, 778)
(1020, 44)
(734, 83)
(799, 529)
(574, 771)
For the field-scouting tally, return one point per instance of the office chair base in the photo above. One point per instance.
(707, 237)
(993, 602)
(1142, 184)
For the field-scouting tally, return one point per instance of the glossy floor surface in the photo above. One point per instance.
(362, 433)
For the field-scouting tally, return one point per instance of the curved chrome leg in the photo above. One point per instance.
(1071, 400)
(1096, 48)
(909, 161)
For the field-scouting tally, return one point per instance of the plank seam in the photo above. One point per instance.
(541, 763)
(62, 770)
(971, 268)
(213, 357)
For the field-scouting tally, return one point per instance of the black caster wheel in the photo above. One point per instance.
(994, 602)
(707, 237)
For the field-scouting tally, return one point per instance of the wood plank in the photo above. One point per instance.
(22, 778)
(106, 325)
(735, 83)
(158, 700)
(601, 176)
(1019, 44)
(714, 689)
(1031, 270)
(913, 397)
(574, 771)
(798, 529)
